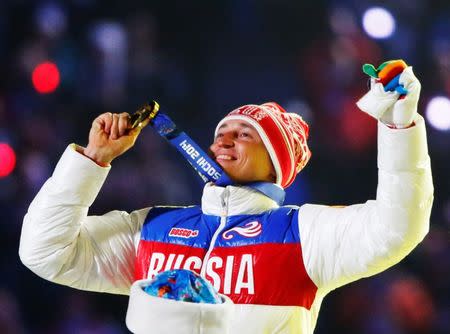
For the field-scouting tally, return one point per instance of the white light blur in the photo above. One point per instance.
(110, 37)
(51, 19)
(378, 22)
(438, 113)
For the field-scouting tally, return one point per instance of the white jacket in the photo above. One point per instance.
(61, 243)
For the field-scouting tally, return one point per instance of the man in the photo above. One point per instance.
(276, 264)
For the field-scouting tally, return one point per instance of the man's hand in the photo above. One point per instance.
(387, 107)
(111, 136)
(402, 114)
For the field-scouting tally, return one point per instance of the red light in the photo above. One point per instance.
(7, 159)
(45, 77)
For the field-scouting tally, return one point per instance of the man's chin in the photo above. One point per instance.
(233, 172)
(227, 166)
(230, 173)
(236, 178)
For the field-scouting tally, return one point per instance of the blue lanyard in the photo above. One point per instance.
(206, 168)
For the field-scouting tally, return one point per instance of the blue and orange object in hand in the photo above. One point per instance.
(388, 73)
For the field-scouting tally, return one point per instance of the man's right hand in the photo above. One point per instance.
(111, 136)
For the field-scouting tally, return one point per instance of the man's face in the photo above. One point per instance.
(239, 150)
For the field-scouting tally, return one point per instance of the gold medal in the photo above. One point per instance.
(147, 111)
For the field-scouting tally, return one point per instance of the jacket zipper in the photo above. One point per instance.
(223, 221)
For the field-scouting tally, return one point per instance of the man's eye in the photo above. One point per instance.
(244, 134)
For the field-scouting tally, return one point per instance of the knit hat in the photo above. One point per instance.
(284, 135)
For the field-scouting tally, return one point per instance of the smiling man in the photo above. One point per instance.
(239, 150)
(268, 143)
(272, 264)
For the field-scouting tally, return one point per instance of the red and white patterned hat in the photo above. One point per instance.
(284, 135)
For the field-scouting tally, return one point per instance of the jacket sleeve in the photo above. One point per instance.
(60, 243)
(341, 245)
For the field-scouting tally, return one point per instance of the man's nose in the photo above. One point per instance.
(225, 141)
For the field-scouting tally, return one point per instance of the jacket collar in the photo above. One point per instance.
(234, 200)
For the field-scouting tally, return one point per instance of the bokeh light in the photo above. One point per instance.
(438, 112)
(51, 19)
(378, 23)
(7, 160)
(46, 77)
(110, 37)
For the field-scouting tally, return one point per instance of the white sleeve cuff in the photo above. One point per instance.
(79, 176)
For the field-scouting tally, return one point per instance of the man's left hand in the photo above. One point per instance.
(387, 107)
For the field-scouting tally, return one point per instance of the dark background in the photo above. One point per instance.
(200, 60)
